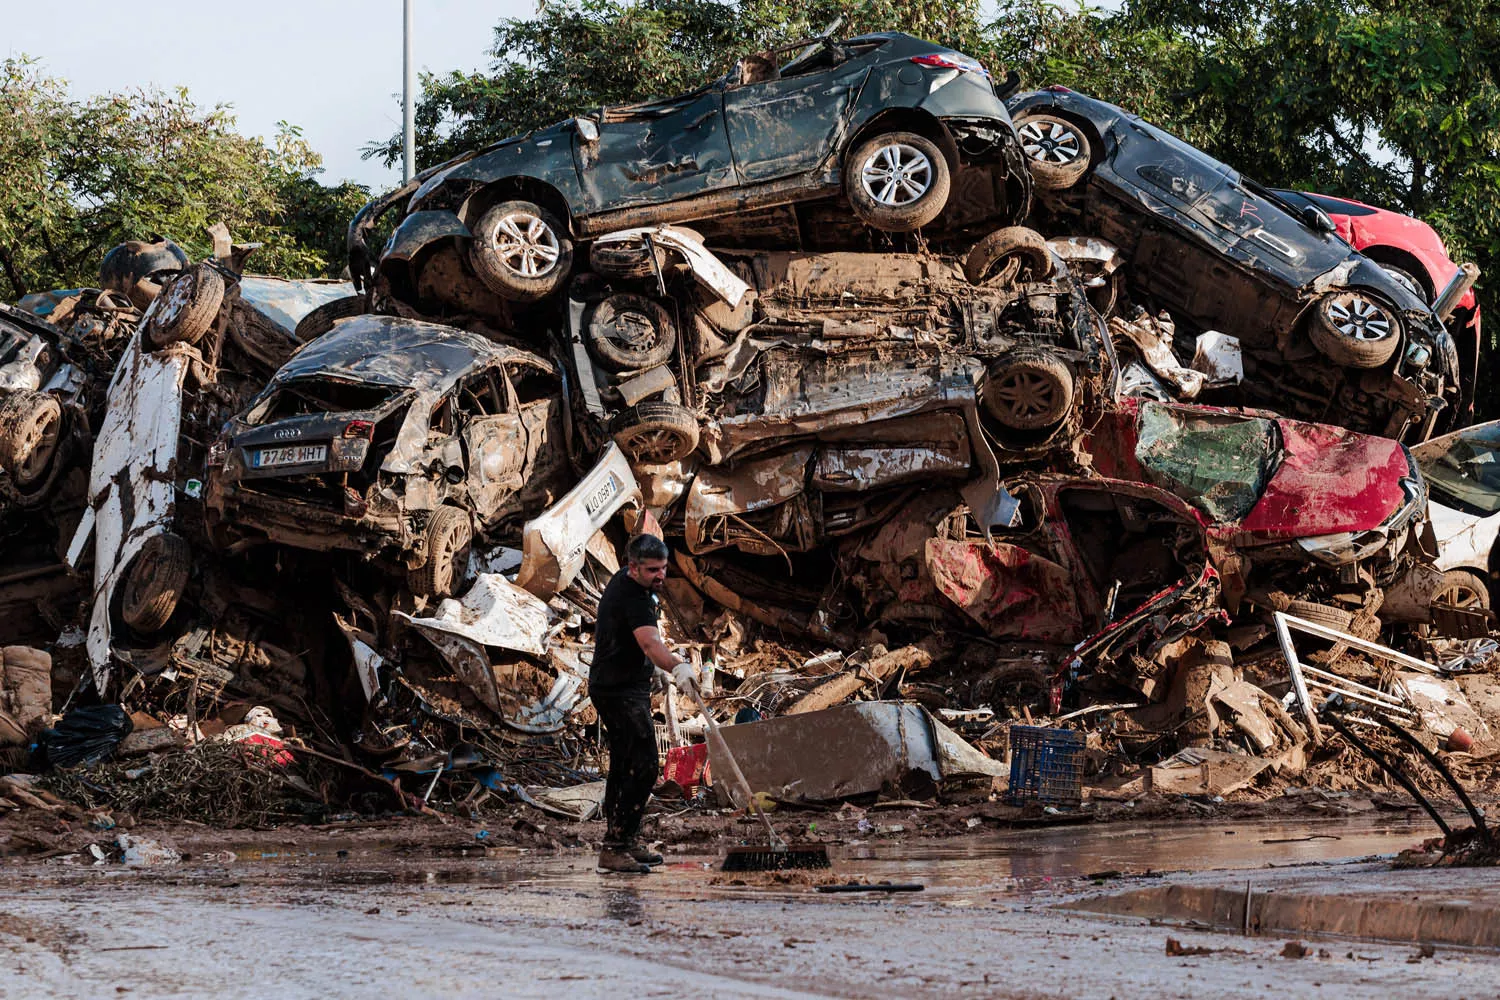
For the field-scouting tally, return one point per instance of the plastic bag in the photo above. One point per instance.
(84, 737)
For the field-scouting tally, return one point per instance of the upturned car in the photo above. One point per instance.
(1326, 332)
(395, 439)
(885, 120)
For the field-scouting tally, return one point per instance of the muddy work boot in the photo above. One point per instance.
(644, 855)
(618, 860)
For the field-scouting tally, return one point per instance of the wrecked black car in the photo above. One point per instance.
(392, 438)
(1221, 252)
(885, 119)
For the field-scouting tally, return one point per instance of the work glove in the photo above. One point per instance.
(685, 677)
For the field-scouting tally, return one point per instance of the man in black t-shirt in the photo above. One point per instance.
(628, 649)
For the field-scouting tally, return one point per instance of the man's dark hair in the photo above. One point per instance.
(644, 547)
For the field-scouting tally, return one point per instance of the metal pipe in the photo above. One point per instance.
(1457, 287)
(1387, 766)
(1442, 769)
(408, 97)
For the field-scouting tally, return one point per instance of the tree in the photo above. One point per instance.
(86, 175)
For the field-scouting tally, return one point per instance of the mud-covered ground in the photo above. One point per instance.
(421, 908)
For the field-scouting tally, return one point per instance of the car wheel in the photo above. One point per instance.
(153, 587)
(445, 573)
(1353, 328)
(627, 332)
(1028, 390)
(31, 426)
(1014, 253)
(626, 259)
(897, 182)
(1408, 281)
(656, 433)
(1018, 685)
(1321, 614)
(1461, 588)
(187, 308)
(521, 251)
(1056, 149)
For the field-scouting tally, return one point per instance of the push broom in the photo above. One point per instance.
(778, 854)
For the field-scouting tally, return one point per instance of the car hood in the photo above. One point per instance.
(1332, 480)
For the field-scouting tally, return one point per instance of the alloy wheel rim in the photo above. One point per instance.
(655, 445)
(526, 244)
(1050, 142)
(896, 175)
(1358, 318)
(1457, 595)
(41, 442)
(1026, 395)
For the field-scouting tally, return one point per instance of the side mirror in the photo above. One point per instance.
(588, 129)
(1316, 219)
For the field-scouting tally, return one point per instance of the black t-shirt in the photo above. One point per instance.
(619, 665)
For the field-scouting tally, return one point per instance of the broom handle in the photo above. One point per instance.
(717, 739)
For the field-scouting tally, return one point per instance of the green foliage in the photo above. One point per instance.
(83, 176)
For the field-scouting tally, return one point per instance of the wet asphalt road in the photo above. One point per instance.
(309, 923)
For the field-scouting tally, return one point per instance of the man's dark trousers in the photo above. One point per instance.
(632, 764)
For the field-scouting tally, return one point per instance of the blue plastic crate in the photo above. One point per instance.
(1046, 766)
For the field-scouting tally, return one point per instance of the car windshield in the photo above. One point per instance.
(1464, 470)
(1219, 463)
(321, 395)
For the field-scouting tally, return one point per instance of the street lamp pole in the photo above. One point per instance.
(408, 99)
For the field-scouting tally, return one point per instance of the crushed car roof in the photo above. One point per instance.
(389, 350)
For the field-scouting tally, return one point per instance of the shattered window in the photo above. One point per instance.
(318, 395)
(1218, 463)
(1464, 471)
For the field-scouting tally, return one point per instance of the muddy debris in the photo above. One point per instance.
(970, 524)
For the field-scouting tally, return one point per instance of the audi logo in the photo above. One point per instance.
(284, 435)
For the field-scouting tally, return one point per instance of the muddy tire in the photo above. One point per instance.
(1057, 150)
(187, 308)
(656, 433)
(1354, 329)
(31, 436)
(445, 573)
(1321, 614)
(628, 332)
(322, 319)
(158, 575)
(1014, 253)
(521, 251)
(1027, 390)
(629, 259)
(1461, 588)
(897, 182)
(1017, 685)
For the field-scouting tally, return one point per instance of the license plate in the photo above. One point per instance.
(297, 454)
(600, 497)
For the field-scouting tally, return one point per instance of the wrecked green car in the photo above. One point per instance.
(886, 120)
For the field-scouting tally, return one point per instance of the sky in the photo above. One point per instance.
(331, 66)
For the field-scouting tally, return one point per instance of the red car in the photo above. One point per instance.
(1188, 501)
(1414, 254)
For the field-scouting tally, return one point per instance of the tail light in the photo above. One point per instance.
(951, 60)
(359, 429)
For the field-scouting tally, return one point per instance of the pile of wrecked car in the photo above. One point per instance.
(886, 350)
